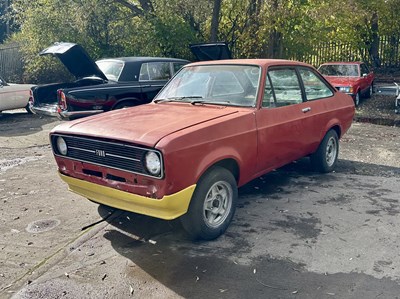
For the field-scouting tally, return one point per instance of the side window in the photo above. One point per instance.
(285, 86)
(314, 87)
(177, 66)
(364, 69)
(153, 71)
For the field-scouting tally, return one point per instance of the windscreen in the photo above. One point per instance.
(340, 70)
(234, 85)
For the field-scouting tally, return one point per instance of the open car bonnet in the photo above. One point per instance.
(75, 59)
(211, 51)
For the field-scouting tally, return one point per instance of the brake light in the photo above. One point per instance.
(31, 98)
(62, 102)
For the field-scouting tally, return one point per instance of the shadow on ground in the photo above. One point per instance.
(22, 123)
(200, 269)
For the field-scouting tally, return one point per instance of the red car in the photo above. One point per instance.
(214, 127)
(353, 78)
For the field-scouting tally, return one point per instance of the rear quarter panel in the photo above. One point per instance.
(106, 95)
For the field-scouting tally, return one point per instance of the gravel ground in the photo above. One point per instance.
(379, 109)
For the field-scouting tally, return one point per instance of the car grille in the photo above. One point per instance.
(105, 153)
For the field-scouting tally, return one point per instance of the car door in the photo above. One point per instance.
(289, 126)
(153, 76)
(7, 96)
(367, 76)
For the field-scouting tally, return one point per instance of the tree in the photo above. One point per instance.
(215, 21)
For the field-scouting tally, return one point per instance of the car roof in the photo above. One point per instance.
(259, 62)
(144, 59)
(343, 62)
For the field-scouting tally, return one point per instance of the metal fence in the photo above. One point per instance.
(11, 63)
(389, 53)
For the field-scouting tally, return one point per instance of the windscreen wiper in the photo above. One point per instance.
(177, 99)
(224, 103)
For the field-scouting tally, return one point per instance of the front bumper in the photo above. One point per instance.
(169, 207)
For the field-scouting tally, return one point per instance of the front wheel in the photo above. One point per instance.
(212, 206)
(370, 90)
(325, 158)
(357, 99)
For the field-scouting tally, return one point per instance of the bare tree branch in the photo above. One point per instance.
(135, 9)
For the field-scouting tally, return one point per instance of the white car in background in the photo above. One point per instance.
(14, 96)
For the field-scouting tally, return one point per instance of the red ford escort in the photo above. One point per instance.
(214, 127)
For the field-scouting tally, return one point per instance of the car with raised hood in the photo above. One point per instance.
(214, 127)
(353, 78)
(14, 96)
(100, 86)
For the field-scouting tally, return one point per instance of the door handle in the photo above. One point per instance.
(305, 110)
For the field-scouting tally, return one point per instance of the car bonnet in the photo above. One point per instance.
(145, 124)
(341, 81)
(75, 59)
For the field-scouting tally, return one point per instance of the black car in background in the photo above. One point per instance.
(100, 86)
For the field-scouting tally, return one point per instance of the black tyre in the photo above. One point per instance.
(125, 104)
(357, 99)
(325, 158)
(28, 109)
(370, 90)
(212, 206)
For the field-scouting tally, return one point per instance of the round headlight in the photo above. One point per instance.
(62, 146)
(153, 163)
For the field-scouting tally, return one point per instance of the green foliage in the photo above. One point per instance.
(253, 28)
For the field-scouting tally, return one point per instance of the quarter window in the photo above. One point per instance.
(314, 87)
(154, 71)
(177, 66)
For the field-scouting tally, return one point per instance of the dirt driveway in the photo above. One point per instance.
(296, 233)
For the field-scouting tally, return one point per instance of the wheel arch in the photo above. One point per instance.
(337, 129)
(333, 125)
(229, 164)
(134, 100)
